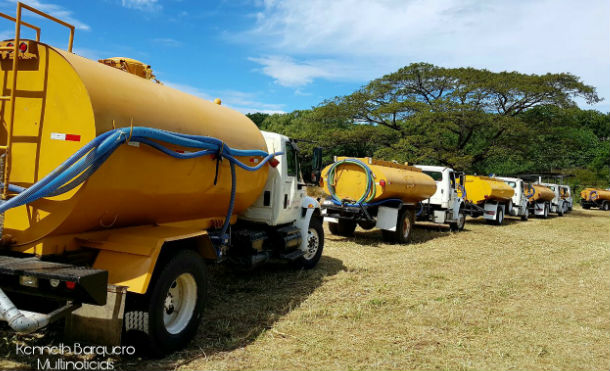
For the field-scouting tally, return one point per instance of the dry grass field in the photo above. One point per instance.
(527, 296)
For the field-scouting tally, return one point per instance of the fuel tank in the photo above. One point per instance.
(540, 193)
(63, 101)
(595, 194)
(389, 180)
(482, 188)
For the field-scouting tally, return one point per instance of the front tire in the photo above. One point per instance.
(315, 245)
(560, 210)
(167, 317)
(526, 215)
(546, 211)
(344, 228)
(460, 223)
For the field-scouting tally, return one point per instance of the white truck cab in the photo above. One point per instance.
(566, 194)
(446, 205)
(284, 202)
(557, 204)
(519, 200)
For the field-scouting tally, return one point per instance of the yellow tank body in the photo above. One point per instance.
(482, 188)
(541, 193)
(598, 194)
(60, 93)
(403, 182)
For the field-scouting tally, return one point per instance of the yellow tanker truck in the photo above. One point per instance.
(539, 199)
(373, 194)
(595, 197)
(116, 189)
(488, 197)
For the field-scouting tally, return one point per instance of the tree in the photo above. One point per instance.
(455, 116)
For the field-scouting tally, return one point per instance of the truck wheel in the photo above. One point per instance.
(344, 228)
(460, 223)
(315, 245)
(560, 210)
(499, 216)
(586, 207)
(526, 215)
(166, 318)
(404, 228)
(605, 206)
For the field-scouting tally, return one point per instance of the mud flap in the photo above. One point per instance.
(99, 324)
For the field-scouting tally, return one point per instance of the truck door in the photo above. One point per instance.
(291, 195)
(453, 195)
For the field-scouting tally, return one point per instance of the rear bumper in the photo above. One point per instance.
(32, 276)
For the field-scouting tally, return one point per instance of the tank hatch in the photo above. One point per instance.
(131, 66)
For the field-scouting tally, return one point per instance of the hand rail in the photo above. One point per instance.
(10, 122)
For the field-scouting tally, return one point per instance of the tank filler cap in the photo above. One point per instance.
(131, 66)
(218, 101)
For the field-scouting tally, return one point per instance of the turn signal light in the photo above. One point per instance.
(274, 162)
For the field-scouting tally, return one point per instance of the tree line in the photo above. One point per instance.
(474, 120)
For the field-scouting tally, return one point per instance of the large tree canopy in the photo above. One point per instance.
(454, 116)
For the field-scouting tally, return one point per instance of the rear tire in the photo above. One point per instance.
(315, 245)
(167, 317)
(526, 215)
(605, 206)
(499, 216)
(404, 228)
(546, 211)
(586, 207)
(367, 224)
(344, 228)
(560, 210)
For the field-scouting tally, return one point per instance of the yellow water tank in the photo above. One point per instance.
(482, 188)
(64, 101)
(540, 193)
(391, 180)
(595, 194)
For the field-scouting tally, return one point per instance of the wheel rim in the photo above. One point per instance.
(406, 228)
(179, 304)
(313, 243)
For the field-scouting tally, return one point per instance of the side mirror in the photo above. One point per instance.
(316, 165)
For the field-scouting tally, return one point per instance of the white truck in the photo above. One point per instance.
(558, 204)
(520, 204)
(445, 206)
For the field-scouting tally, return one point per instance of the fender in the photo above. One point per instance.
(310, 205)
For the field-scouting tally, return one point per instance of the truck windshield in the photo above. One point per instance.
(511, 184)
(436, 175)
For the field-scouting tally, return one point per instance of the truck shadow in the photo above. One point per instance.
(241, 306)
(374, 238)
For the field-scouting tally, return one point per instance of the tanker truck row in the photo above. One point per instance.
(392, 197)
(118, 190)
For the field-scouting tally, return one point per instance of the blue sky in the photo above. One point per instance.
(278, 56)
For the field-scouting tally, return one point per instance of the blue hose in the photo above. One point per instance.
(81, 165)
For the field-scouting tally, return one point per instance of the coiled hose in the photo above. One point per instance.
(366, 196)
(81, 165)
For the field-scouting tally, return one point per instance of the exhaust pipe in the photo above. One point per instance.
(26, 321)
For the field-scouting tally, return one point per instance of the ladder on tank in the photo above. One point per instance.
(5, 149)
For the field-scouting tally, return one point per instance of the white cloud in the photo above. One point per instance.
(243, 102)
(364, 39)
(55, 10)
(146, 5)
